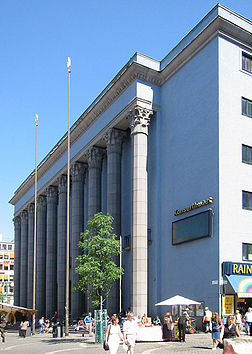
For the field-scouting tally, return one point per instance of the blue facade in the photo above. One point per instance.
(184, 162)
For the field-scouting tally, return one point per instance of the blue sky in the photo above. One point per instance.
(100, 37)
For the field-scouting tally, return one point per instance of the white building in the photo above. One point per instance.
(7, 271)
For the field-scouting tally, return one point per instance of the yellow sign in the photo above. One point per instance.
(228, 305)
(194, 206)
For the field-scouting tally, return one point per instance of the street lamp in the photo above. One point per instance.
(68, 202)
(35, 231)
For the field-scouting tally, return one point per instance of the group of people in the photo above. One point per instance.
(128, 335)
(86, 323)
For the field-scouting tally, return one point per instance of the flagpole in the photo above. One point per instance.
(68, 202)
(35, 231)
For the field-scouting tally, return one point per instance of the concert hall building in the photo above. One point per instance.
(166, 149)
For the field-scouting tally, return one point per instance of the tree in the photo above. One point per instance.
(96, 267)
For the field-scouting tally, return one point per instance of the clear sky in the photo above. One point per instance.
(100, 37)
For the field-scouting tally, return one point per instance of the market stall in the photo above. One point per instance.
(13, 313)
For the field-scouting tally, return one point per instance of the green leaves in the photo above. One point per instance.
(96, 266)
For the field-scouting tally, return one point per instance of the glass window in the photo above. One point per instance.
(247, 252)
(4, 246)
(9, 247)
(1, 256)
(6, 256)
(246, 200)
(6, 267)
(247, 154)
(11, 277)
(11, 267)
(246, 107)
(247, 62)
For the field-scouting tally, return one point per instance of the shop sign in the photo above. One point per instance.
(195, 205)
(244, 295)
(229, 268)
(228, 305)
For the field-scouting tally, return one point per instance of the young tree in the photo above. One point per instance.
(96, 267)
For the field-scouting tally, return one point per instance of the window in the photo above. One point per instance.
(246, 252)
(246, 107)
(247, 62)
(11, 267)
(11, 277)
(246, 200)
(9, 247)
(1, 256)
(247, 154)
(6, 267)
(6, 256)
(4, 246)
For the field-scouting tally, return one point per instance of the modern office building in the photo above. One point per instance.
(7, 271)
(166, 149)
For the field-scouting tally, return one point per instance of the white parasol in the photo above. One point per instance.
(177, 300)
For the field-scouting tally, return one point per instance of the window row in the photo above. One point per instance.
(6, 256)
(4, 246)
(6, 266)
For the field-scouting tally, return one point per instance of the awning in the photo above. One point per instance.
(242, 285)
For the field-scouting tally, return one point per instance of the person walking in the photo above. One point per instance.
(23, 328)
(207, 320)
(130, 331)
(248, 319)
(88, 320)
(113, 335)
(41, 325)
(182, 323)
(216, 328)
(238, 320)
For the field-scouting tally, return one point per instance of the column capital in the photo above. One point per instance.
(41, 202)
(62, 184)
(78, 171)
(139, 118)
(94, 156)
(51, 194)
(31, 208)
(24, 216)
(114, 138)
(17, 221)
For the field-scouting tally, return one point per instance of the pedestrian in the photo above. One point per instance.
(229, 330)
(113, 335)
(182, 323)
(207, 320)
(88, 320)
(157, 321)
(130, 331)
(41, 325)
(167, 327)
(238, 320)
(23, 328)
(248, 321)
(216, 328)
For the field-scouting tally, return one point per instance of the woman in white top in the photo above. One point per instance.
(113, 335)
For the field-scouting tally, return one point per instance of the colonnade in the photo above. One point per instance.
(52, 225)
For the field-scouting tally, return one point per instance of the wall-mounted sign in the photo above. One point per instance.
(228, 305)
(229, 268)
(195, 205)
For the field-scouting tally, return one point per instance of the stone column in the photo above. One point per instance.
(114, 139)
(23, 259)
(61, 250)
(94, 180)
(51, 252)
(17, 226)
(41, 257)
(30, 255)
(139, 121)
(78, 174)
